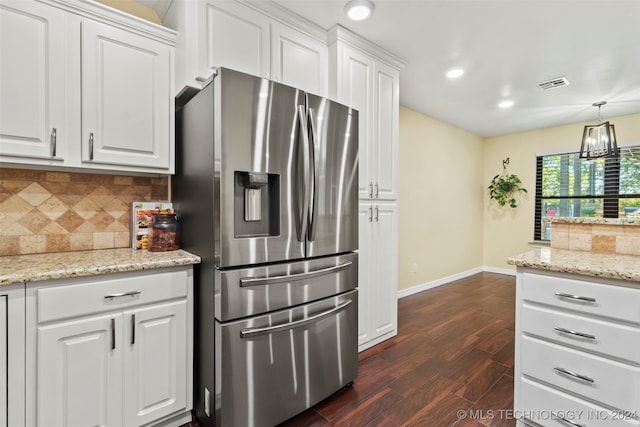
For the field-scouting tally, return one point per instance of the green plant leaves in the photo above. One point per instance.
(503, 187)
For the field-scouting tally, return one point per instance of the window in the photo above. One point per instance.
(569, 186)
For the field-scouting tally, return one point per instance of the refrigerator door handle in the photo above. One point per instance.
(256, 332)
(314, 188)
(306, 170)
(259, 281)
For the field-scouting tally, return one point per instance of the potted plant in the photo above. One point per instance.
(504, 187)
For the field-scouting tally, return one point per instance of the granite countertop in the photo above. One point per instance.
(38, 267)
(594, 220)
(598, 264)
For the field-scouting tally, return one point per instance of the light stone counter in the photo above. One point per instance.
(38, 267)
(598, 264)
(595, 221)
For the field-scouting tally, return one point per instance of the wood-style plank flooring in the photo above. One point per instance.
(451, 363)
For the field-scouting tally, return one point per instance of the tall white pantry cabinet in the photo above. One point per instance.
(367, 79)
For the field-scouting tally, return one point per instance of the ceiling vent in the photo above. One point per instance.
(553, 83)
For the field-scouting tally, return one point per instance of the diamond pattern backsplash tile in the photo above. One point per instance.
(44, 211)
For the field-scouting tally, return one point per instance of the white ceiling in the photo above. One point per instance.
(506, 47)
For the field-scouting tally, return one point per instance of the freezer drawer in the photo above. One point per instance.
(252, 291)
(272, 367)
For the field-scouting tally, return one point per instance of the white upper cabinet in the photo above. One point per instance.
(32, 93)
(299, 60)
(256, 38)
(355, 79)
(233, 36)
(85, 86)
(386, 139)
(126, 103)
(367, 79)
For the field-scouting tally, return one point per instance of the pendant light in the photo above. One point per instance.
(599, 140)
(358, 10)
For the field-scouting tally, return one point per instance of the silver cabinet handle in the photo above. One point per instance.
(133, 329)
(564, 420)
(576, 297)
(122, 294)
(578, 334)
(113, 333)
(91, 146)
(54, 141)
(259, 281)
(370, 210)
(371, 190)
(377, 190)
(254, 332)
(377, 215)
(573, 374)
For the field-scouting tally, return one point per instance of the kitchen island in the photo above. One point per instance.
(577, 352)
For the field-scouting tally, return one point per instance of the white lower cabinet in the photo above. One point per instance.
(12, 356)
(577, 357)
(377, 273)
(155, 358)
(118, 353)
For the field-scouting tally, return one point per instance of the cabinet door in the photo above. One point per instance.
(79, 373)
(233, 36)
(384, 274)
(385, 146)
(126, 98)
(357, 92)
(299, 60)
(155, 367)
(365, 264)
(32, 67)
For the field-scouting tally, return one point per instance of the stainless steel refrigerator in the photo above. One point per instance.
(266, 192)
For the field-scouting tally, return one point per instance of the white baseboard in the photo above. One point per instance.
(443, 281)
(439, 282)
(499, 270)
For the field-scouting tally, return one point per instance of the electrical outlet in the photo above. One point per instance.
(207, 400)
(415, 268)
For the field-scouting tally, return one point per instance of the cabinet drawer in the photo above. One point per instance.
(545, 406)
(97, 295)
(612, 383)
(612, 301)
(606, 338)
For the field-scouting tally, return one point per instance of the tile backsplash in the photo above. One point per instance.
(44, 211)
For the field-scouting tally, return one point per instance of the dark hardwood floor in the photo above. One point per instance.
(451, 363)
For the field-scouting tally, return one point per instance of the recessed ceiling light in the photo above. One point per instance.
(507, 103)
(454, 73)
(358, 10)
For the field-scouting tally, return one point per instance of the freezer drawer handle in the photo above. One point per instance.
(578, 334)
(259, 281)
(563, 419)
(574, 375)
(256, 332)
(576, 297)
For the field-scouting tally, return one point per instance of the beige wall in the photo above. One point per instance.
(440, 199)
(508, 231)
